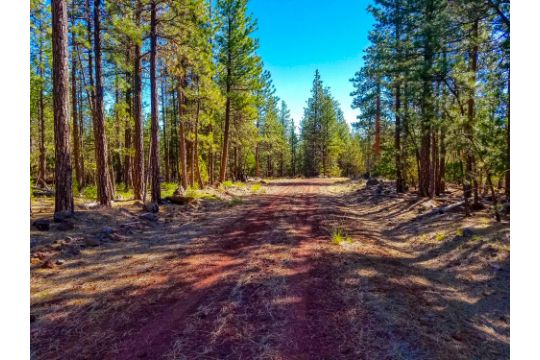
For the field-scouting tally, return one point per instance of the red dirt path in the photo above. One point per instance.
(267, 283)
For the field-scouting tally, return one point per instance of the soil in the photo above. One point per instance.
(263, 278)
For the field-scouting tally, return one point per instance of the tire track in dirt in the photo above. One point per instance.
(312, 329)
(156, 338)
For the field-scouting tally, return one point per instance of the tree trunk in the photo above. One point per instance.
(507, 173)
(400, 185)
(128, 179)
(64, 193)
(257, 170)
(138, 165)
(494, 196)
(154, 154)
(90, 57)
(196, 147)
(164, 119)
(42, 155)
(75, 115)
(182, 137)
(81, 130)
(103, 180)
(116, 158)
(434, 163)
(469, 125)
(225, 150)
(442, 164)
(174, 131)
(377, 145)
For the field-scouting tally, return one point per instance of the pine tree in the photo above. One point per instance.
(240, 66)
(103, 176)
(64, 194)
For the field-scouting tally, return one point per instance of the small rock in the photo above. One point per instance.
(179, 191)
(467, 232)
(40, 255)
(42, 224)
(89, 206)
(107, 230)
(59, 262)
(92, 242)
(48, 264)
(35, 261)
(151, 207)
(149, 216)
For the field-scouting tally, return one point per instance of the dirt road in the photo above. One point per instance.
(263, 280)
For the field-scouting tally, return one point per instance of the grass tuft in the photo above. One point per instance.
(339, 236)
(439, 236)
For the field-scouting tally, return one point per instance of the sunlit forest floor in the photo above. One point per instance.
(290, 269)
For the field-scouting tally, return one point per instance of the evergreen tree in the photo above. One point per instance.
(239, 66)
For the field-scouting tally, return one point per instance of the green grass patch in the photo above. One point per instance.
(339, 236)
(122, 193)
(239, 184)
(168, 189)
(200, 194)
(256, 187)
(227, 184)
(234, 202)
(439, 236)
(89, 192)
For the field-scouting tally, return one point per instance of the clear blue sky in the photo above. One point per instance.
(298, 36)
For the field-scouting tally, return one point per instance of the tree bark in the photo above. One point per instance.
(128, 179)
(42, 150)
(164, 119)
(64, 193)
(469, 125)
(154, 153)
(507, 173)
(400, 184)
(75, 118)
(196, 147)
(138, 164)
(377, 144)
(225, 150)
(182, 136)
(104, 186)
(494, 196)
(116, 157)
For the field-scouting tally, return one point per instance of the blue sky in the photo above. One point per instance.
(298, 36)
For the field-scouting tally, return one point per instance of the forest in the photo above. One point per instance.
(212, 114)
(179, 211)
